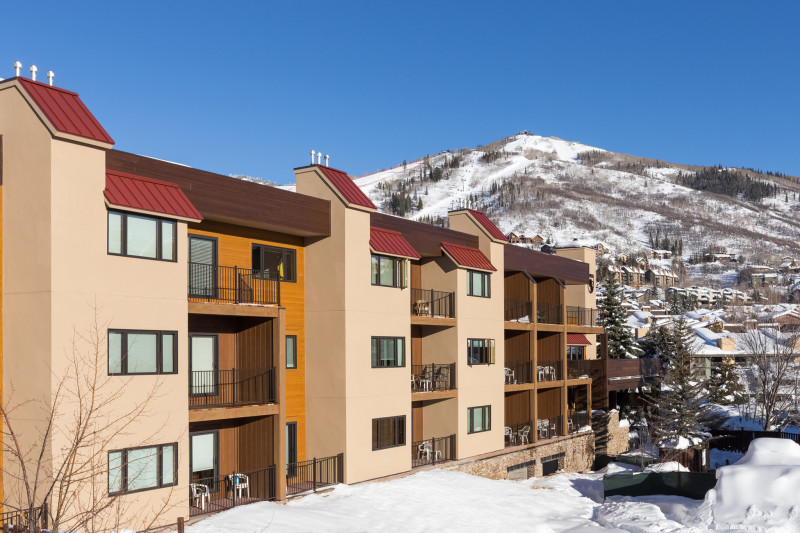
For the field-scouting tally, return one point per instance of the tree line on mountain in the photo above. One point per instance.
(730, 183)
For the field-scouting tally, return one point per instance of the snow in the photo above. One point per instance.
(671, 466)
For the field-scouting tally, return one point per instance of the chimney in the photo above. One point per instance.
(50, 76)
(312, 156)
(326, 159)
(17, 68)
(319, 158)
(33, 70)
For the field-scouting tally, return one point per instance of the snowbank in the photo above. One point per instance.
(670, 466)
(762, 490)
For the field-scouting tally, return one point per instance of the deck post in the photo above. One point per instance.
(180, 525)
(314, 475)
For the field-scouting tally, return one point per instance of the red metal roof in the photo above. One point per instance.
(468, 257)
(351, 192)
(147, 194)
(577, 338)
(65, 110)
(391, 242)
(488, 225)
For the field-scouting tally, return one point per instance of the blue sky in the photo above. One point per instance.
(250, 87)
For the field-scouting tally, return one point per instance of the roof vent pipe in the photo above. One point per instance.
(312, 156)
(33, 70)
(326, 159)
(50, 76)
(17, 68)
(319, 158)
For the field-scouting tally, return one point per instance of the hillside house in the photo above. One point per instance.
(660, 254)
(659, 277)
(601, 249)
(513, 238)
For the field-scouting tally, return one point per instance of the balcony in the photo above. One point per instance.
(435, 304)
(314, 474)
(433, 377)
(581, 316)
(518, 311)
(548, 428)
(433, 451)
(548, 370)
(579, 369)
(577, 421)
(516, 373)
(231, 388)
(213, 494)
(519, 433)
(549, 313)
(212, 283)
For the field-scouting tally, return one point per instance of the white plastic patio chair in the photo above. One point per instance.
(524, 434)
(509, 376)
(239, 483)
(512, 437)
(199, 492)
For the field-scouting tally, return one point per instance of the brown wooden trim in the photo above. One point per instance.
(434, 395)
(586, 330)
(1, 159)
(208, 308)
(227, 413)
(539, 264)
(514, 387)
(227, 199)
(518, 326)
(417, 320)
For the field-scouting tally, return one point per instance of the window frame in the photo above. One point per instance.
(487, 284)
(287, 253)
(159, 468)
(571, 350)
(487, 415)
(123, 245)
(376, 423)
(215, 386)
(214, 486)
(378, 339)
(400, 277)
(159, 352)
(294, 366)
(488, 352)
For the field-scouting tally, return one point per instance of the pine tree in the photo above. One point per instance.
(681, 408)
(620, 341)
(725, 388)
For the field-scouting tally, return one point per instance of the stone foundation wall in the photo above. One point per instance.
(578, 456)
(618, 441)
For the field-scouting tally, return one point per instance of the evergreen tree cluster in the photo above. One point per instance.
(613, 318)
(655, 240)
(731, 183)
(725, 387)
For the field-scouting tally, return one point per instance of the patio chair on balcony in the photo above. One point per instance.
(422, 308)
(524, 435)
(199, 494)
(425, 380)
(239, 483)
(442, 378)
(510, 435)
(424, 451)
(570, 425)
(510, 377)
(543, 427)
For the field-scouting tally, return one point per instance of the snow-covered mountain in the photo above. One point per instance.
(565, 190)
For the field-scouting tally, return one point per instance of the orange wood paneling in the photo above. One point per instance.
(234, 248)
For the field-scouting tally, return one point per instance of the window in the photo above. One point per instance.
(388, 432)
(576, 353)
(478, 284)
(291, 351)
(291, 449)
(273, 261)
(388, 271)
(141, 236)
(204, 458)
(137, 469)
(388, 352)
(203, 364)
(142, 352)
(480, 351)
(479, 419)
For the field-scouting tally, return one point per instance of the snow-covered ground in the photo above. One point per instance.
(760, 493)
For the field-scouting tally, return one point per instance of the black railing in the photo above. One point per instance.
(548, 370)
(433, 377)
(212, 283)
(580, 368)
(433, 451)
(519, 433)
(229, 388)
(581, 316)
(518, 311)
(576, 421)
(314, 474)
(519, 373)
(427, 302)
(25, 519)
(212, 494)
(549, 313)
(548, 428)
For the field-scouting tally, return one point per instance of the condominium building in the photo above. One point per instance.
(249, 343)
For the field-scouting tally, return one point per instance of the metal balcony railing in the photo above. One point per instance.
(230, 388)
(581, 316)
(427, 302)
(433, 451)
(518, 311)
(549, 313)
(579, 369)
(519, 373)
(213, 283)
(433, 377)
(548, 370)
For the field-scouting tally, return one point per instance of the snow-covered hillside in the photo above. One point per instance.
(535, 185)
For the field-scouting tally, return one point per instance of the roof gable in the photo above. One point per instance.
(390, 242)
(65, 111)
(487, 225)
(129, 191)
(468, 257)
(346, 188)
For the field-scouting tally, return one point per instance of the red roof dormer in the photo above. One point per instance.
(345, 187)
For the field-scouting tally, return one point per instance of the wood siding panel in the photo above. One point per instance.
(517, 347)
(417, 422)
(549, 403)
(539, 264)
(550, 292)
(518, 407)
(416, 275)
(416, 345)
(234, 248)
(517, 287)
(548, 347)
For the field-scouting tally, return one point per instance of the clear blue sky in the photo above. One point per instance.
(250, 87)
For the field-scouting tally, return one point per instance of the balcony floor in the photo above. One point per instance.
(226, 413)
(228, 309)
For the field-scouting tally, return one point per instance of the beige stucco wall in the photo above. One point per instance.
(60, 282)
(579, 295)
(364, 393)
